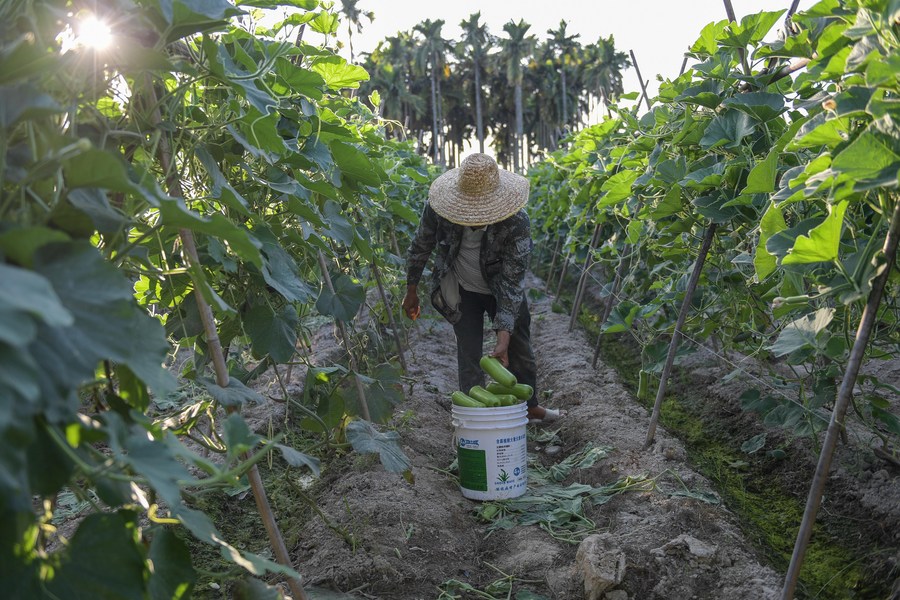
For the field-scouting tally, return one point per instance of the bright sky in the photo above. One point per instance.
(658, 31)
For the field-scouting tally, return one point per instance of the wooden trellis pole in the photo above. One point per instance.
(637, 69)
(676, 335)
(345, 337)
(582, 281)
(176, 189)
(553, 264)
(562, 276)
(845, 393)
(607, 309)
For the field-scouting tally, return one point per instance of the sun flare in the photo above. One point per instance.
(94, 33)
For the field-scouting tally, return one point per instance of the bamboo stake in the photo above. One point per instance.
(345, 337)
(845, 393)
(553, 264)
(390, 313)
(676, 335)
(729, 10)
(607, 310)
(640, 79)
(176, 189)
(562, 277)
(582, 281)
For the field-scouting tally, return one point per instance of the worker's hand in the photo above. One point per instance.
(501, 350)
(411, 303)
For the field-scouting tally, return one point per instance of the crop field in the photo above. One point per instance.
(211, 386)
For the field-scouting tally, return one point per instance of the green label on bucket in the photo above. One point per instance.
(472, 469)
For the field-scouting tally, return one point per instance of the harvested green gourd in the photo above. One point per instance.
(508, 400)
(497, 371)
(461, 399)
(482, 395)
(522, 391)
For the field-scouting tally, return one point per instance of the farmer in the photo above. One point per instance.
(474, 216)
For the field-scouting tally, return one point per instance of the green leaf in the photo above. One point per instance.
(754, 444)
(708, 93)
(802, 333)
(107, 325)
(822, 131)
(727, 130)
(254, 589)
(299, 79)
(617, 188)
(771, 223)
(172, 576)
(355, 165)
(272, 333)
(28, 292)
(102, 561)
(299, 459)
(344, 302)
(238, 437)
(621, 317)
(365, 439)
(279, 269)
(712, 206)
(304, 4)
(339, 74)
(669, 205)
(236, 394)
(219, 186)
(94, 203)
(762, 106)
(708, 43)
(761, 179)
(873, 154)
(325, 23)
(26, 102)
(752, 30)
(823, 241)
(192, 16)
(96, 168)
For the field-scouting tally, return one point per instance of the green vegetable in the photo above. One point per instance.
(508, 400)
(522, 391)
(497, 371)
(485, 397)
(460, 399)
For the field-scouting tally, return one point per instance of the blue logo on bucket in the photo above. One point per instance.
(464, 443)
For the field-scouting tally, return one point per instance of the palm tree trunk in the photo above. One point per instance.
(520, 127)
(479, 124)
(440, 121)
(565, 100)
(435, 141)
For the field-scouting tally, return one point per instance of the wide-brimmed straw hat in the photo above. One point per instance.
(478, 192)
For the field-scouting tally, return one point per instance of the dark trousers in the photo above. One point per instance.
(470, 341)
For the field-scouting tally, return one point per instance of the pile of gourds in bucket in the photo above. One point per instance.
(503, 391)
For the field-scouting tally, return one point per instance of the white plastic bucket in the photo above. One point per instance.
(491, 451)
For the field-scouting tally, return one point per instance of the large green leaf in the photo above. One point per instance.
(185, 17)
(28, 292)
(24, 102)
(102, 561)
(708, 94)
(873, 155)
(299, 79)
(761, 179)
(355, 166)
(172, 577)
(823, 241)
(752, 29)
(617, 188)
(344, 302)
(364, 438)
(771, 223)
(728, 130)
(235, 395)
(763, 106)
(821, 131)
(219, 186)
(272, 333)
(107, 325)
(338, 73)
(298, 459)
(803, 333)
(279, 269)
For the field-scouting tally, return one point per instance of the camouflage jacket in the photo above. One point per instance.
(505, 254)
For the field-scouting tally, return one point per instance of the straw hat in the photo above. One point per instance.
(478, 192)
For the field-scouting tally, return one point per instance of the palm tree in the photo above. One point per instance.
(354, 18)
(430, 59)
(567, 48)
(603, 69)
(476, 41)
(516, 47)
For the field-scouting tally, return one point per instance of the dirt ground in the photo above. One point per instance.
(669, 537)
